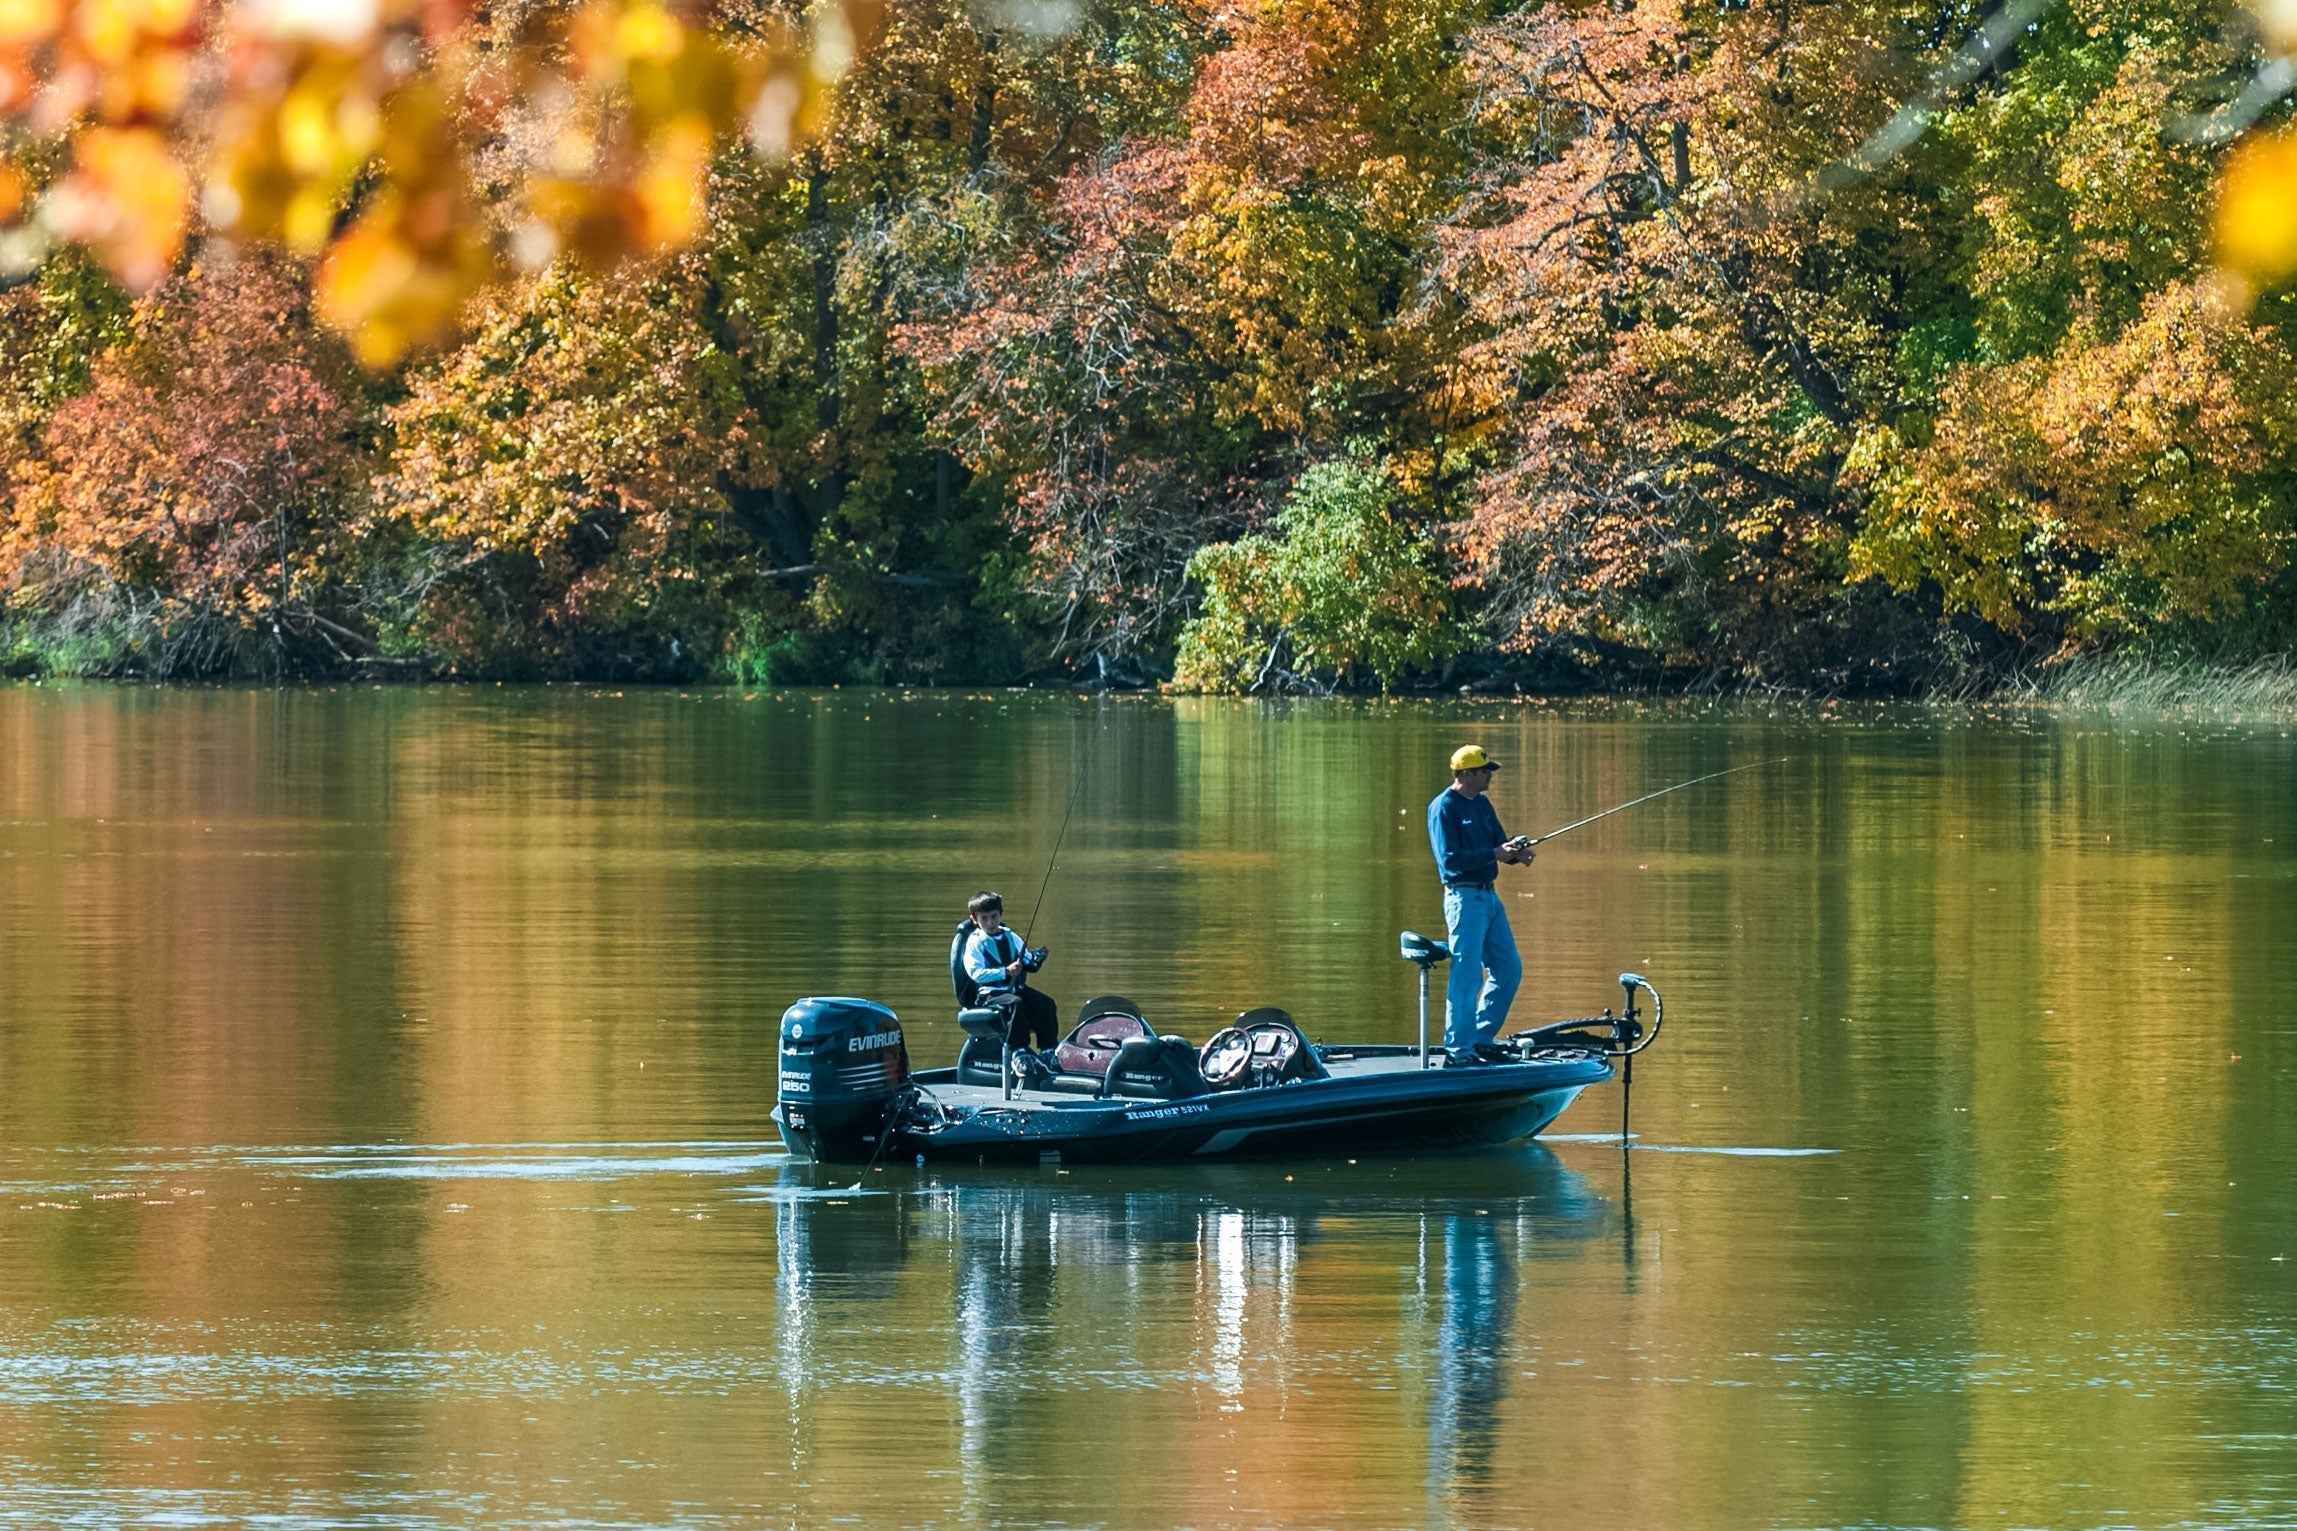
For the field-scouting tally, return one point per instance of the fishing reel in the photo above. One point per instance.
(1606, 1035)
(1034, 958)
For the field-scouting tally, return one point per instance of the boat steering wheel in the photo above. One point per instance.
(1226, 1057)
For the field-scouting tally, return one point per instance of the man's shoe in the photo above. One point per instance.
(1461, 1060)
(1492, 1052)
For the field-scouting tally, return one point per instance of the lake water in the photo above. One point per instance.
(384, 1079)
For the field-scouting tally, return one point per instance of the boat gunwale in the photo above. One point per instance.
(1410, 1088)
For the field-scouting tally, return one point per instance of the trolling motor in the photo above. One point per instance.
(1607, 1036)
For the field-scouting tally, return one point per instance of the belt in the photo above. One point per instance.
(1483, 887)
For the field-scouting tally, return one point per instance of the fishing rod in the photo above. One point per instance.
(1530, 841)
(1075, 788)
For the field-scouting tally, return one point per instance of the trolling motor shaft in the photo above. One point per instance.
(1619, 1036)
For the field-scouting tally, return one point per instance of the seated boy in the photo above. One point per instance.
(994, 960)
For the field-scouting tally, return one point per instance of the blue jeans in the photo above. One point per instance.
(1476, 922)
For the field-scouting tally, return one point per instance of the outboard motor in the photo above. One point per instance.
(843, 1068)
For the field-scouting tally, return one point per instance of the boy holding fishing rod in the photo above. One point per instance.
(999, 965)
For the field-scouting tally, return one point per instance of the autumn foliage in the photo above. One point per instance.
(1253, 343)
(199, 485)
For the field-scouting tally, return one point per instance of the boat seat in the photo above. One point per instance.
(980, 1059)
(1155, 1068)
(1103, 1029)
(988, 1022)
(1424, 950)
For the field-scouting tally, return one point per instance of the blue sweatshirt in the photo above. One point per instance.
(1466, 837)
(984, 964)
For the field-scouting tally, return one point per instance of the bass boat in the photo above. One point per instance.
(1118, 1091)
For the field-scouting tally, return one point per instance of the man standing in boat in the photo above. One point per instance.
(1465, 833)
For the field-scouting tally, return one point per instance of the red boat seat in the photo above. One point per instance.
(1108, 1023)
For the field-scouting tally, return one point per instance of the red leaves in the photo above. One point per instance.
(193, 464)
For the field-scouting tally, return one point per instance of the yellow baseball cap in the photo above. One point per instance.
(1470, 757)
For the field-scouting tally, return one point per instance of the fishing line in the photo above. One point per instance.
(1646, 797)
(1075, 788)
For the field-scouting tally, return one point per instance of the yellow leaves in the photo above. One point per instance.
(627, 161)
(400, 277)
(649, 34)
(288, 154)
(2119, 480)
(669, 189)
(116, 31)
(2256, 224)
(599, 121)
(28, 23)
(126, 196)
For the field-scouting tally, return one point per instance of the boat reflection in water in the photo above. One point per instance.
(1227, 1302)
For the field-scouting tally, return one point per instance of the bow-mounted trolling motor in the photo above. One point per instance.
(1607, 1036)
(1610, 1036)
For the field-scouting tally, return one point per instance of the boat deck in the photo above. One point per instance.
(1346, 1064)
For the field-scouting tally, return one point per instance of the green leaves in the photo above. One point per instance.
(1342, 593)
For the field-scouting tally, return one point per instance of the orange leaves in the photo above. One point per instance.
(190, 467)
(376, 132)
(125, 64)
(2121, 481)
(126, 61)
(399, 276)
(402, 274)
(579, 451)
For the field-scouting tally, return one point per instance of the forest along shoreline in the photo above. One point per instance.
(1376, 346)
(2266, 688)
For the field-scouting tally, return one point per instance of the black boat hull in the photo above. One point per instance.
(1378, 1102)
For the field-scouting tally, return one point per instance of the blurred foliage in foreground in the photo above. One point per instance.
(1267, 345)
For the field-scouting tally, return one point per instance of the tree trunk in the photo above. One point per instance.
(984, 108)
(823, 237)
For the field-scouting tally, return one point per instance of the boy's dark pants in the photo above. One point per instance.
(1035, 1015)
